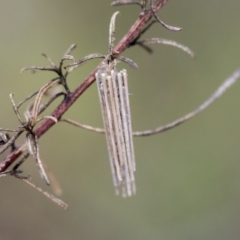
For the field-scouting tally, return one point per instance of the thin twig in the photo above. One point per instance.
(36, 105)
(8, 130)
(171, 28)
(10, 142)
(27, 98)
(83, 126)
(126, 2)
(56, 200)
(167, 42)
(218, 93)
(46, 105)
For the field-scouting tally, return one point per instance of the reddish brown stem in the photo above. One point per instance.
(132, 34)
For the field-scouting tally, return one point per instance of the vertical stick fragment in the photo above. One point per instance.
(128, 115)
(100, 78)
(114, 101)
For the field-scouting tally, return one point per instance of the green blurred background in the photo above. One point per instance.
(188, 179)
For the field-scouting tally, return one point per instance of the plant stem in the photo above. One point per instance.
(131, 35)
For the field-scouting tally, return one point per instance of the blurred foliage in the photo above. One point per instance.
(188, 184)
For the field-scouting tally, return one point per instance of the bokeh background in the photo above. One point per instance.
(188, 179)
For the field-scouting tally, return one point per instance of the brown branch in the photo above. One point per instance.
(132, 34)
